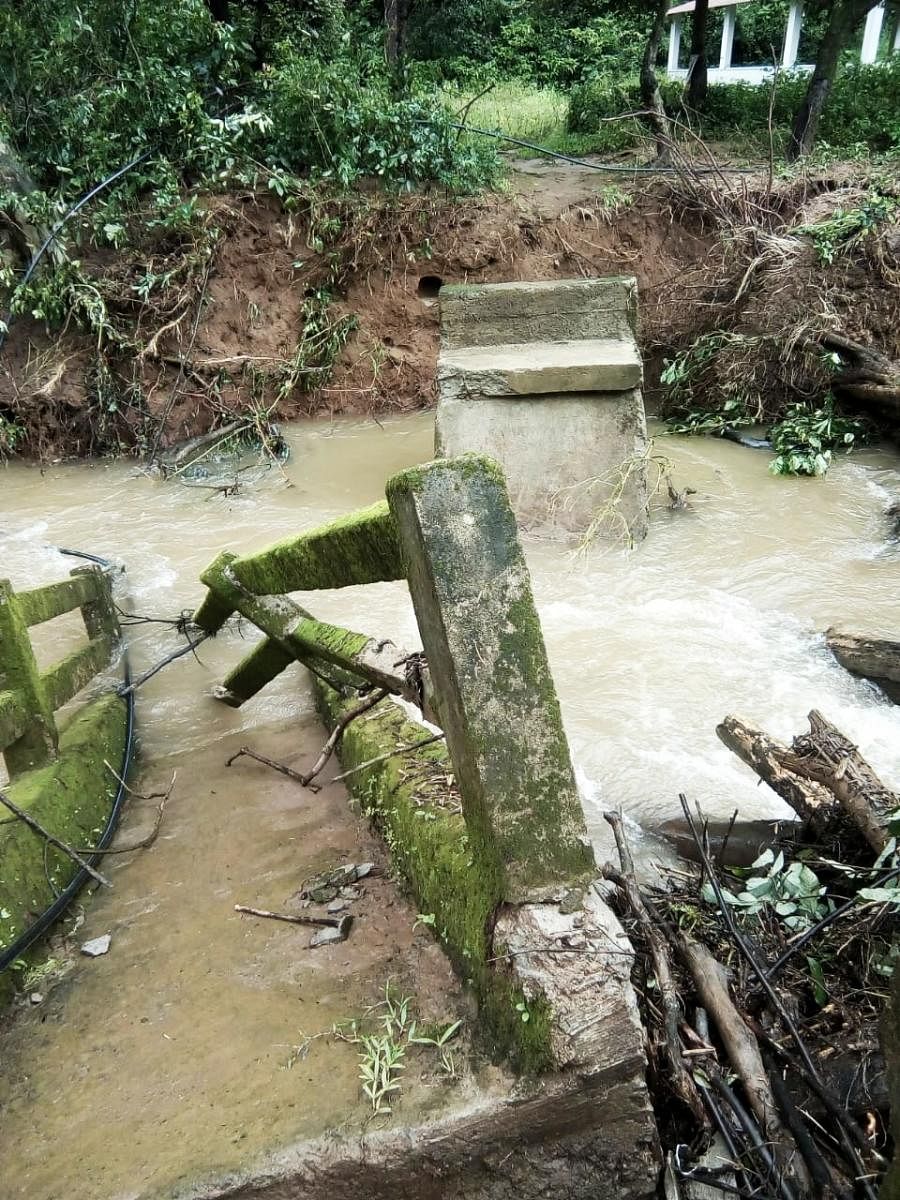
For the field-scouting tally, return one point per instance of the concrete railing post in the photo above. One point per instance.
(19, 673)
(494, 693)
(99, 614)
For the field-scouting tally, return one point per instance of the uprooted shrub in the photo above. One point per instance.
(798, 329)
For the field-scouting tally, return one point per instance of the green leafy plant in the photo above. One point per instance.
(383, 1051)
(806, 438)
(846, 228)
(793, 892)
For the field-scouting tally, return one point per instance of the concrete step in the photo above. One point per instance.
(541, 368)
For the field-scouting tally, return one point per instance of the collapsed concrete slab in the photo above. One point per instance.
(487, 834)
(546, 378)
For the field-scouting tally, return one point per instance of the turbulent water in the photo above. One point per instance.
(722, 610)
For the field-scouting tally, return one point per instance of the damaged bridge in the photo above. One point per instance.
(508, 876)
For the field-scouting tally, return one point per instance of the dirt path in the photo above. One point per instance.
(165, 1061)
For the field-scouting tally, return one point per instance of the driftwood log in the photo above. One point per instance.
(812, 802)
(871, 658)
(821, 775)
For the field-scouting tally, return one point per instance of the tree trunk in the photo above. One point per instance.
(810, 801)
(395, 15)
(651, 97)
(219, 11)
(844, 17)
(821, 775)
(698, 80)
(871, 658)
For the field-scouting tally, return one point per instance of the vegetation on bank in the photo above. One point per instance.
(310, 101)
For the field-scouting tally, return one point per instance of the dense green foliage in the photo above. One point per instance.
(90, 85)
(863, 108)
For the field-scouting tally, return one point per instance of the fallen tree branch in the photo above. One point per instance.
(145, 842)
(846, 1138)
(327, 750)
(682, 1081)
(36, 827)
(809, 800)
(827, 757)
(341, 923)
(380, 758)
(744, 1056)
(141, 679)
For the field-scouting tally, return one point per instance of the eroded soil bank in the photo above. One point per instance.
(249, 308)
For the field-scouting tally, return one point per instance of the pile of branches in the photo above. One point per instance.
(762, 987)
(799, 297)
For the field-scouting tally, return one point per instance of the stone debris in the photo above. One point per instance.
(96, 946)
(36, 998)
(327, 936)
(337, 906)
(331, 885)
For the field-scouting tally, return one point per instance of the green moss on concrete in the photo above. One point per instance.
(19, 673)
(489, 667)
(45, 603)
(71, 798)
(414, 811)
(12, 718)
(329, 642)
(358, 548)
(64, 680)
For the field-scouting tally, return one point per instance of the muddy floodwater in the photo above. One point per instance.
(722, 609)
(161, 1069)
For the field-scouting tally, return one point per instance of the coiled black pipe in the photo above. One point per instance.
(39, 926)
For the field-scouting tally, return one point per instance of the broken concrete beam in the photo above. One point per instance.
(359, 548)
(540, 368)
(557, 310)
(494, 693)
(264, 662)
(293, 633)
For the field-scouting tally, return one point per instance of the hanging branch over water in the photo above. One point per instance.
(142, 679)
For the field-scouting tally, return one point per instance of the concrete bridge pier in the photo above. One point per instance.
(546, 378)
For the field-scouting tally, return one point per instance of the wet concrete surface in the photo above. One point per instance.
(171, 1058)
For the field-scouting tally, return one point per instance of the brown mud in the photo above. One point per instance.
(709, 253)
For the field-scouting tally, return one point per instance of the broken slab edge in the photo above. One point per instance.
(572, 1137)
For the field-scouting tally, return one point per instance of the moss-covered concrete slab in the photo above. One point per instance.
(72, 798)
(494, 692)
(359, 548)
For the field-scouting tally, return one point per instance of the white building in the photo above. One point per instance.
(725, 72)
